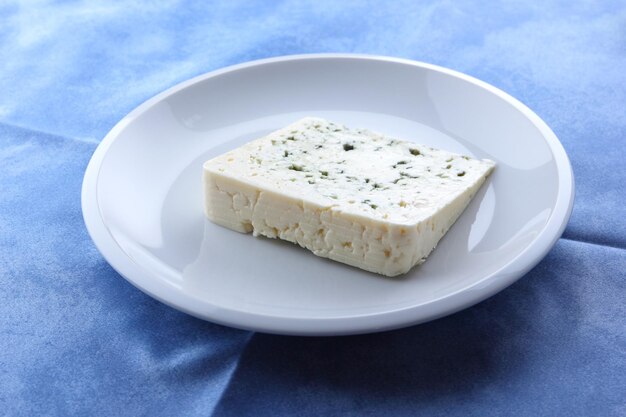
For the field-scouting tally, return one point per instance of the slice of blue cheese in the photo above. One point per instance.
(351, 195)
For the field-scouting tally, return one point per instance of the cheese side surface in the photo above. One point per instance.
(351, 195)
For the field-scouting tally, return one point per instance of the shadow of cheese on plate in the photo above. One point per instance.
(351, 195)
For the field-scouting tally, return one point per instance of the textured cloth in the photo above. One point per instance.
(77, 339)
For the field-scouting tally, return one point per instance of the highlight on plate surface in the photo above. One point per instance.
(348, 194)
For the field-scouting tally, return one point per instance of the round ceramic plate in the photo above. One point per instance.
(143, 203)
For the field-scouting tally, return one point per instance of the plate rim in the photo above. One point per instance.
(486, 287)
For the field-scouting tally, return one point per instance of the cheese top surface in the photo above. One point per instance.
(353, 170)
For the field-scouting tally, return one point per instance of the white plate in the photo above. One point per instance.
(142, 195)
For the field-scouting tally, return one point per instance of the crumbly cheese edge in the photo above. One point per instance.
(381, 247)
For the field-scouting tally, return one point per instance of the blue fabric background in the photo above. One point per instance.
(77, 339)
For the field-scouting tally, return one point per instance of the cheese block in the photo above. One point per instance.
(351, 195)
